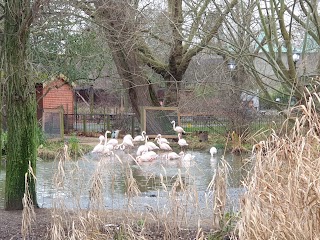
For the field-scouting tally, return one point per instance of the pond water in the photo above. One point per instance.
(154, 180)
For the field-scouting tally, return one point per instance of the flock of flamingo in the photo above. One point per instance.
(146, 152)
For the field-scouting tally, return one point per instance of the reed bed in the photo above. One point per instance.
(177, 213)
(282, 200)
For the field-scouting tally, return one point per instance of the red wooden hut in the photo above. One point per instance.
(53, 96)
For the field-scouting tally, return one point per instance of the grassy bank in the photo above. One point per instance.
(50, 148)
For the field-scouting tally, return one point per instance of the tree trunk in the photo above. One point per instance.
(21, 106)
(121, 39)
(171, 98)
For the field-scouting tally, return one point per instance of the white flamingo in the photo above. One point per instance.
(164, 146)
(101, 137)
(161, 139)
(142, 149)
(106, 144)
(186, 159)
(177, 129)
(127, 141)
(172, 156)
(99, 147)
(120, 146)
(147, 157)
(151, 145)
(213, 151)
(107, 148)
(182, 142)
(140, 138)
(114, 142)
(128, 136)
(107, 151)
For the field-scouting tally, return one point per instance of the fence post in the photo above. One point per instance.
(84, 124)
(66, 117)
(61, 113)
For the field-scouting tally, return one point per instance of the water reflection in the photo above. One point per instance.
(153, 179)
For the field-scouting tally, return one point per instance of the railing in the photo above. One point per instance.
(223, 125)
(93, 123)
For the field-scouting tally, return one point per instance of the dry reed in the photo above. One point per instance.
(28, 214)
(177, 213)
(283, 194)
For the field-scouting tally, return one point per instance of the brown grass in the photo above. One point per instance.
(283, 193)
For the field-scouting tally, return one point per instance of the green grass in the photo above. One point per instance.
(49, 150)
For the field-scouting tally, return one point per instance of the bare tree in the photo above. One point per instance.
(262, 37)
(134, 41)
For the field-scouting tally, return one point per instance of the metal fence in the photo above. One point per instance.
(216, 125)
(93, 123)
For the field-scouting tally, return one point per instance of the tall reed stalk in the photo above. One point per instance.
(283, 193)
(28, 214)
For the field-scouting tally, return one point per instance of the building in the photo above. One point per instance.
(54, 99)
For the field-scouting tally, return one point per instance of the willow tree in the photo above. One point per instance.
(21, 103)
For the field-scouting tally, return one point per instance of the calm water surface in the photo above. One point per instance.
(154, 180)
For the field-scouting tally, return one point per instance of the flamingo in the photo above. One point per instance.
(182, 142)
(99, 147)
(128, 136)
(140, 138)
(147, 157)
(186, 159)
(101, 137)
(107, 148)
(150, 145)
(177, 129)
(114, 142)
(164, 146)
(213, 151)
(161, 139)
(172, 155)
(120, 146)
(142, 149)
(127, 141)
